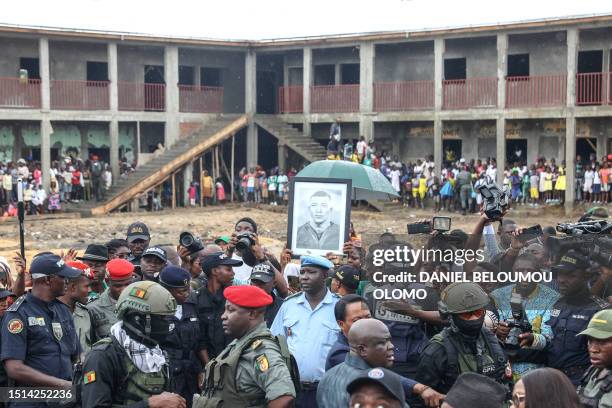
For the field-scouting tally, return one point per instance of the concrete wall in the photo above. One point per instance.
(12, 50)
(68, 60)
(320, 131)
(547, 51)
(477, 137)
(408, 141)
(344, 55)
(480, 54)
(294, 58)
(232, 76)
(597, 39)
(127, 140)
(131, 61)
(15, 137)
(404, 62)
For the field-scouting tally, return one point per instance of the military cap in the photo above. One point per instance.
(600, 326)
(262, 272)
(247, 296)
(348, 276)
(217, 258)
(138, 230)
(476, 391)
(318, 261)
(83, 267)
(51, 264)
(119, 269)
(174, 277)
(381, 376)
(157, 252)
(95, 252)
(570, 262)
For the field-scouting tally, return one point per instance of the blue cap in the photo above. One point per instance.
(51, 264)
(156, 252)
(174, 277)
(318, 261)
(217, 258)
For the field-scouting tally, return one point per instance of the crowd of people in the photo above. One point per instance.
(229, 323)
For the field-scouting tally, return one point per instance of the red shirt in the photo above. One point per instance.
(76, 178)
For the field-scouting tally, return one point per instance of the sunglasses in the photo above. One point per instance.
(473, 314)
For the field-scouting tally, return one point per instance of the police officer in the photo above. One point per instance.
(76, 299)
(128, 368)
(153, 260)
(570, 315)
(262, 276)
(465, 346)
(39, 341)
(252, 371)
(596, 388)
(138, 238)
(119, 274)
(183, 345)
(6, 296)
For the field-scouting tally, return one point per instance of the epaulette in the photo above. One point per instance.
(600, 302)
(16, 304)
(294, 295)
(102, 344)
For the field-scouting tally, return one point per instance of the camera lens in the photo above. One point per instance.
(243, 243)
(186, 240)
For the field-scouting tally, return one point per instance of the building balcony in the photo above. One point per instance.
(80, 95)
(135, 96)
(403, 96)
(536, 91)
(469, 93)
(291, 99)
(200, 99)
(20, 93)
(593, 88)
(334, 98)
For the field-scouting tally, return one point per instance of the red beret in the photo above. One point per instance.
(119, 269)
(83, 267)
(247, 296)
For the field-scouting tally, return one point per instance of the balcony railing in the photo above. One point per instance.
(593, 88)
(334, 98)
(541, 90)
(79, 95)
(401, 96)
(141, 97)
(291, 99)
(200, 99)
(469, 93)
(19, 93)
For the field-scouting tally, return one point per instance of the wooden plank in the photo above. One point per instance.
(200, 182)
(173, 191)
(171, 167)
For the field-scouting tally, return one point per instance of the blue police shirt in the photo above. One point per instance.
(310, 333)
(40, 334)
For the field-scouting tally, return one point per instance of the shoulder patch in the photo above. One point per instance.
(16, 304)
(89, 377)
(256, 344)
(262, 364)
(15, 326)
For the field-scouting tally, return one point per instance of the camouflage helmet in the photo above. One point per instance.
(145, 297)
(461, 297)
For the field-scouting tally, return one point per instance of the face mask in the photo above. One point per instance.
(161, 327)
(470, 328)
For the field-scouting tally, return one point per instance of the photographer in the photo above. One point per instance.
(570, 315)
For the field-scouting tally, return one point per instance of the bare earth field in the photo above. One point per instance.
(63, 231)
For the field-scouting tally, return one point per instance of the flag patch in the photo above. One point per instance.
(89, 377)
(139, 293)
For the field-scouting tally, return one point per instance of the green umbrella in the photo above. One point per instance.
(368, 183)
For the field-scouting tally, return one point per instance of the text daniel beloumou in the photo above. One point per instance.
(410, 257)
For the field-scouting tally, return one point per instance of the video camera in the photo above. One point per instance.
(191, 242)
(441, 224)
(590, 238)
(245, 241)
(518, 324)
(495, 200)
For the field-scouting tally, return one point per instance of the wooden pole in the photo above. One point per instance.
(201, 185)
(232, 168)
(173, 191)
(137, 156)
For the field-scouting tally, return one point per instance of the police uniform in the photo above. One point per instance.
(39, 333)
(80, 314)
(595, 390)
(253, 370)
(3, 377)
(183, 343)
(137, 230)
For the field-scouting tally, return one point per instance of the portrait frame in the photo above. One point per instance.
(301, 236)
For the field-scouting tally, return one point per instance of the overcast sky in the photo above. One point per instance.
(262, 19)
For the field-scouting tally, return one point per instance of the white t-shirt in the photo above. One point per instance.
(492, 173)
(243, 272)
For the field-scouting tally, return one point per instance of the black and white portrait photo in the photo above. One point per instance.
(319, 213)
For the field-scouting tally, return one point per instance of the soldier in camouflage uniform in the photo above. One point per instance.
(256, 369)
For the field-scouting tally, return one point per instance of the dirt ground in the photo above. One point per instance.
(60, 232)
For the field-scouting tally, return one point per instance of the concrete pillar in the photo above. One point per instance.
(561, 151)
(570, 159)
(285, 71)
(45, 150)
(502, 68)
(113, 76)
(533, 147)
(500, 149)
(250, 82)
(307, 80)
(282, 157)
(187, 180)
(171, 73)
(572, 63)
(337, 74)
(602, 145)
(45, 78)
(113, 132)
(197, 76)
(366, 127)
(437, 139)
(83, 129)
(438, 71)
(366, 89)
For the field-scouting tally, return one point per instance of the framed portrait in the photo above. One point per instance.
(319, 215)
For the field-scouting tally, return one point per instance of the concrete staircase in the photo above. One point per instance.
(303, 145)
(160, 168)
